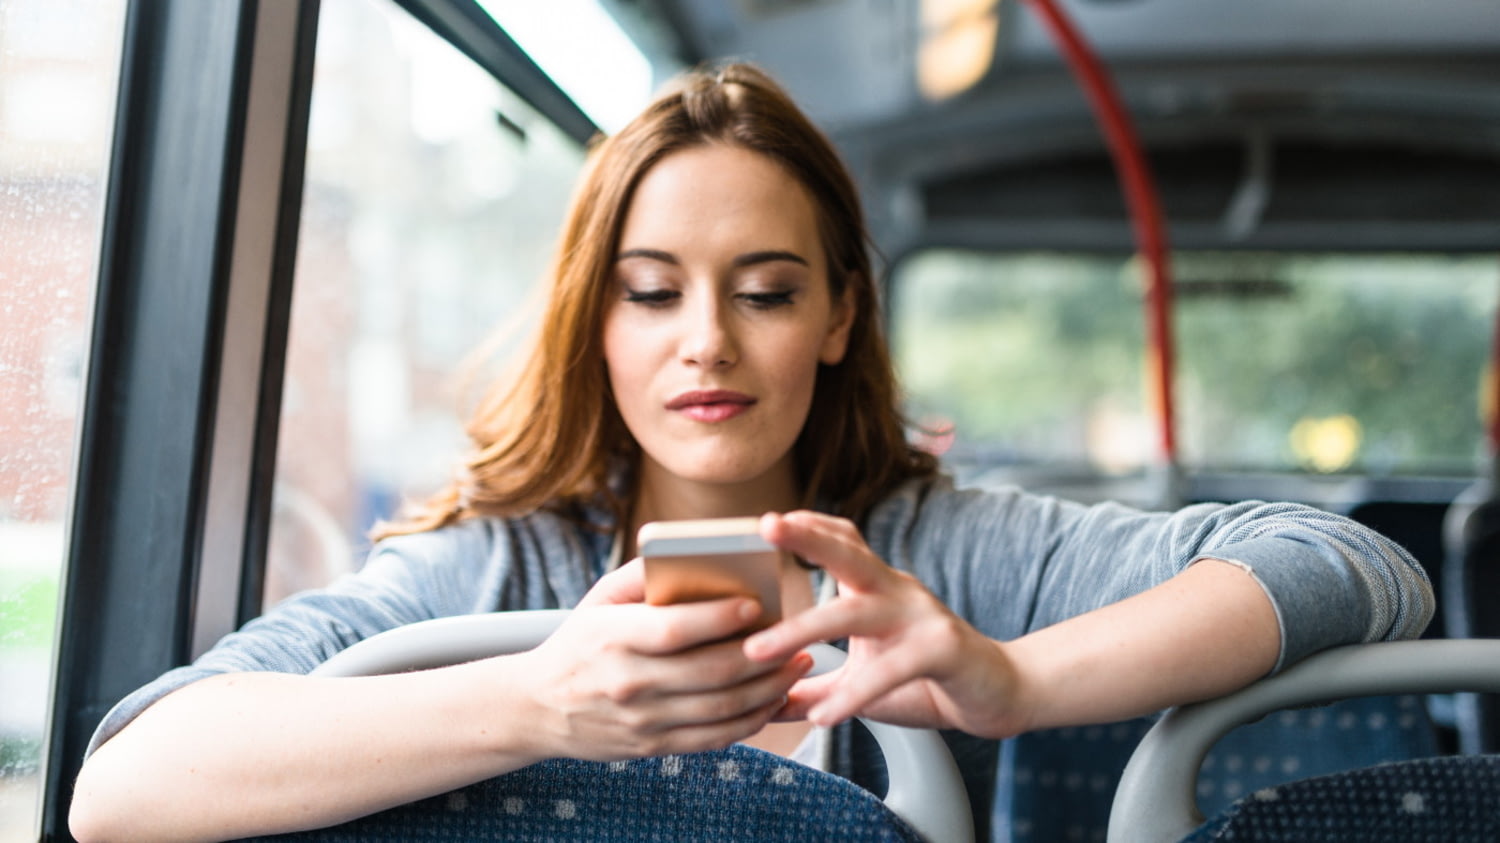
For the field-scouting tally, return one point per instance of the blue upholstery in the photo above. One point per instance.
(738, 793)
(1455, 799)
(1058, 785)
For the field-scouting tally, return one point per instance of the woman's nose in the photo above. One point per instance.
(707, 337)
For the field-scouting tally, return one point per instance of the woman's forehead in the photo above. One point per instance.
(721, 198)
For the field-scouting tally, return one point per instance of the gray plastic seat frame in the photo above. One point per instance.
(925, 788)
(1155, 801)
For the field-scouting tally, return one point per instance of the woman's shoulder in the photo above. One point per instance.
(914, 506)
(540, 558)
(941, 497)
(483, 532)
(940, 511)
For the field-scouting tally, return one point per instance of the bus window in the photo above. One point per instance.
(1286, 361)
(1290, 361)
(432, 196)
(58, 67)
(1032, 358)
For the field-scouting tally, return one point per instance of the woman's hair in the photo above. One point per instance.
(551, 436)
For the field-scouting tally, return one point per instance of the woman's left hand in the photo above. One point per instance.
(911, 661)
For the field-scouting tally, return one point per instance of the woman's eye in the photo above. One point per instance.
(767, 301)
(650, 298)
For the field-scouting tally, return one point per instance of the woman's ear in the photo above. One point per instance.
(836, 343)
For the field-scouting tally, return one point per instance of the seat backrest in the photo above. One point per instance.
(739, 793)
(925, 791)
(1058, 784)
(1471, 590)
(1455, 799)
(1157, 801)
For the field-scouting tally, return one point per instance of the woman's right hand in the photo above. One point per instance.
(622, 679)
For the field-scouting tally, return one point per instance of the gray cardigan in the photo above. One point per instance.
(1008, 562)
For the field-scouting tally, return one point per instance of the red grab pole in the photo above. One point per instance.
(1146, 217)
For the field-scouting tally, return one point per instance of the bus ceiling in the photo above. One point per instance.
(1277, 124)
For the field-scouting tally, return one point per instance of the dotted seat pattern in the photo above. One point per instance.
(1453, 799)
(1058, 785)
(739, 793)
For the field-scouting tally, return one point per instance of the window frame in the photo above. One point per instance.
(208, 104)
(177, 437)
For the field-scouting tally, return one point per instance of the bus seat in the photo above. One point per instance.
(735, 793)
(1450, 798)
(1058, 784)
(1471, 590)
(739, 793)
(1455, 799)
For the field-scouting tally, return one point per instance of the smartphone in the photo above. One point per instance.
(710, 558)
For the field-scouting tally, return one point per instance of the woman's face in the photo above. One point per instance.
(720, 313)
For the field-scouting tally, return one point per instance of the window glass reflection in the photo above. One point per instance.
(432, 199)
(59, 62)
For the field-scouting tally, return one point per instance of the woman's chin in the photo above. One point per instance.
(718, 466)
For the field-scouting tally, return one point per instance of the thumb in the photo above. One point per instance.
(625, 584)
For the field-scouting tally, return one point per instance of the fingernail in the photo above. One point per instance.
(749, 610)
(758, 645)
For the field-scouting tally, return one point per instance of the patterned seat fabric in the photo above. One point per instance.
(1454, 799)
(738, 793)
(1058, 785)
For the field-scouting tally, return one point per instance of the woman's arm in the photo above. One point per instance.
(1206, 631)
(241, 754)
(252, 753)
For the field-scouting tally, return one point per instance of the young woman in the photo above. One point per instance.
(712, 347)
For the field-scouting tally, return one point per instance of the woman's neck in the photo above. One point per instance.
(663, 496)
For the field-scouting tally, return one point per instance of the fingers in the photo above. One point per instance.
(854, 690)
(694, 722)
(698, 670)
(804, 695)
(664, 630)
(838, 618)
(833, 544)
(706, 736)
(732, 702)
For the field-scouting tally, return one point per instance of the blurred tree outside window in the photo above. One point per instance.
(1358, 363)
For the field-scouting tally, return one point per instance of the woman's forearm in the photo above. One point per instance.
(255, 753)
(242, 754)
(1207, 631)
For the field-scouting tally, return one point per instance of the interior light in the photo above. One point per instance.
(581, 47)
(957, 45)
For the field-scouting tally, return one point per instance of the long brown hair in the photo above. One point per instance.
(551, 437)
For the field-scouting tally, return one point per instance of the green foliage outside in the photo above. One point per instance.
(1014, 355)
(1036, 358)
(28, 607)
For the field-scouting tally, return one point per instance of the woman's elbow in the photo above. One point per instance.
(88, 815)
(102, 808)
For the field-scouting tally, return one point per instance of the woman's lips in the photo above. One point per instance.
(711, 405)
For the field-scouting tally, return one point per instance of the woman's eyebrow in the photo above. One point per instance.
(747, 259)
(766, 256)
(653, 254)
